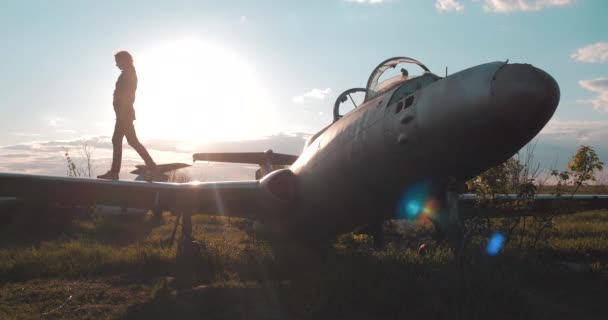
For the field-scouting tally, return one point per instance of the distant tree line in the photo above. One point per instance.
(522, 176)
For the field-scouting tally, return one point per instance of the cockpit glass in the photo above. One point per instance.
(348, 101)
(391, 72)
(353, 101)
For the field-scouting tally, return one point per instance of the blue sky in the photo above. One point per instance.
(57, 72)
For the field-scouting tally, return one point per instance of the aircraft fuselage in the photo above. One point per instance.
(422, 130)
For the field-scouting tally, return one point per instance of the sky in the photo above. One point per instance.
(266, 73)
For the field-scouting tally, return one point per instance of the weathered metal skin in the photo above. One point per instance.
(350, 153)
(456, 126)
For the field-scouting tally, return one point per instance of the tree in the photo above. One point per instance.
(491, 182)
(517, 175)
(562, 180)
(583, 166)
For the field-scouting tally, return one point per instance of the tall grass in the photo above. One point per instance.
(245, 277)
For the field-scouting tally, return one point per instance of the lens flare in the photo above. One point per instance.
(496, 243)
(431, 206)
(417, 203)
(413, 208)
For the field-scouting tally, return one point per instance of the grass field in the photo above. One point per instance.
(121, 267)
(568, 189)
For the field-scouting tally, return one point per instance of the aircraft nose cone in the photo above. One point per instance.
(525, 96)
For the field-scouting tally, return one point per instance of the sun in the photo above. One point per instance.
(196, 91)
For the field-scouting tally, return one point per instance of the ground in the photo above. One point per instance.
(123, 267)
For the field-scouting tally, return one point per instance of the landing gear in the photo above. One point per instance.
(157, 214)
(455, 228)
(448, 225)
(185, 252)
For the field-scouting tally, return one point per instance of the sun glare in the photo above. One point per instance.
(194, 91)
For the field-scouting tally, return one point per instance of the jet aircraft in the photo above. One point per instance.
(409, 130)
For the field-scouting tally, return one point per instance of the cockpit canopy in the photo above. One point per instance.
(374, 88)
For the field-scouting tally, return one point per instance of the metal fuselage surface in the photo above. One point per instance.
(423, 129)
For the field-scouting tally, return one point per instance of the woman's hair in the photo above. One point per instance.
(124, 56)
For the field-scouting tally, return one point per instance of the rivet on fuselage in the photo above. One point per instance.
(402, 139)
(407, 118)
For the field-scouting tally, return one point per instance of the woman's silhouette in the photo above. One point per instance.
(124, 98)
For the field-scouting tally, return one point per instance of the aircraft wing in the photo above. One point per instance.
(247, 157)
(246, 199)
(470, 205)
(160, 168)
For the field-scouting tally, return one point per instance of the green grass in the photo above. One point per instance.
(586, 189)
(116, 267)
(581, 238)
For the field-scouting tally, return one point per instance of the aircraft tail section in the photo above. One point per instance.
(261, 158)
(159, 173)
(267, 160)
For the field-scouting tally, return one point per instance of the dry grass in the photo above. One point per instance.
(116, 267)
(99, 298)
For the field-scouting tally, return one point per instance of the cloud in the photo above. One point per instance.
(27, 134)
(580, 131)
(243, 20)
(48, 157)
(597, 52)
(290, 143)
(319, 94)
(60, 145)
(448, 5)
(599, 86)
(368, 1)
(504, 6)
(15, 155)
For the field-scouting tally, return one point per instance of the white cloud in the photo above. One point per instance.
(368, 1)
(597, 52)
(27, 135)
(577, 130)
(48, 157)
(243, 19)
(319, 94)
(599, 86)
(522, 5)
(448, 5)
